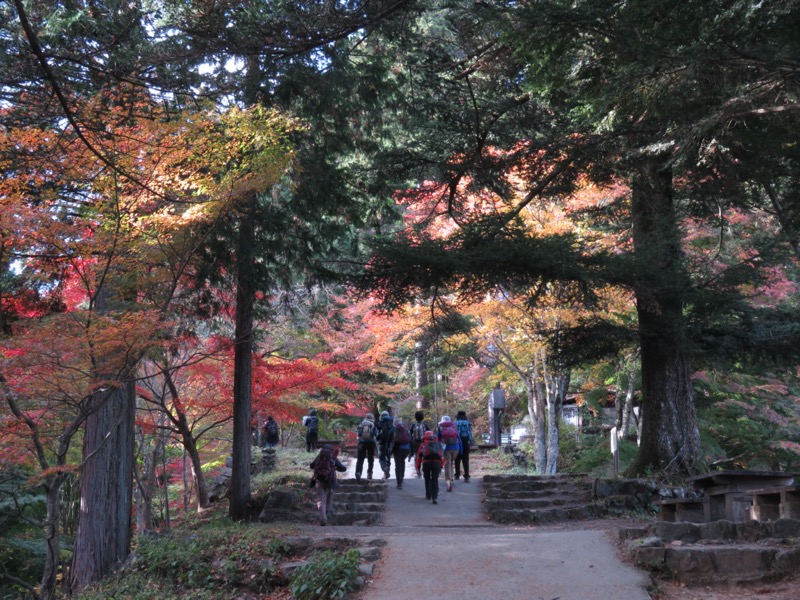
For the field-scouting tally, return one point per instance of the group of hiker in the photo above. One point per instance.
(447, 448)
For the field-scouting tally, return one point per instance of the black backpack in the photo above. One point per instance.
(418, 430)
(312, 423)
(271, 428)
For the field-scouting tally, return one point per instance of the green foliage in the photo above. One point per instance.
(589, 453)
(326, 575)
(749, 421)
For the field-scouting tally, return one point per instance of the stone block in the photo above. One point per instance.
(742, 563)
(369, 553)
(787, 562)
(786, 529)
(723, 531)
(690, 564)
(669, 532)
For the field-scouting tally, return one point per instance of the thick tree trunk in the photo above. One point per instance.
(242, 365)
(104, 529)
(670, 439)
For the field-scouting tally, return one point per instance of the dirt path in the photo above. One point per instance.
(453, 551)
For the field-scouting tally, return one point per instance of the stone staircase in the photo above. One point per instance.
(540, 500)
(720, 551)
(359, 503)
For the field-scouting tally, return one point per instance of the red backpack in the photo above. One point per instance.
(401, 435)
(449, 433)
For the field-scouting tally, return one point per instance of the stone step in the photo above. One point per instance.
(375, 496)
(341, 507)
(547, 515)
(355, 518)
(542, 493)
(706, 564)
(493, 504)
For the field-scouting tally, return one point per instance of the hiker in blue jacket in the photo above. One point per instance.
(448, 436)
(311, 423)
(464, 428)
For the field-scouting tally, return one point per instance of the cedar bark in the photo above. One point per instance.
(670, 443)
(103, 538)
(242, 364)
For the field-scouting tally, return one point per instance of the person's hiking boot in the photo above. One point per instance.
(449, 486)
(466, 478)
(369, 475)
(358, 477)
(419, 474)
(434, 501)
(399, 486)
(386, 474)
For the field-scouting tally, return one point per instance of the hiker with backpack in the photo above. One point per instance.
(272, 433)
(385, 442)
(430, 457)
(448, 436)
(418, 429)
(311, 423)
(366, 434)
(324, 467)
(464, 428)
(401, 451)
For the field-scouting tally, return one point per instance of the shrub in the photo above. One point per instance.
(326, 575)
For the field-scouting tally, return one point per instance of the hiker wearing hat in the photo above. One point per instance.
(366, 433)
(311, 423)
(448, 436)
(325, 466)
(430, 457)
(385, 442)
(418, 429)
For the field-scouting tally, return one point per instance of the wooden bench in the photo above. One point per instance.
(773, 503)
(682, 510)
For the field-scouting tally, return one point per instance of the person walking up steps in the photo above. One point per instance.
(418, 429)
(325, 466)
(464, 428)
(272, 433)
(366, 433)
(448, 436)
(430, 457)
(402, 448)
(311, 423)
(385, 442)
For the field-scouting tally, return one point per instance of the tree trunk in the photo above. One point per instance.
(147, 482)
(670, 438)
(51, 540)
(555, 400)
(421, 372)
(104, 529)
(242, 365)
(627, 404)
(190, 446)
(537, 408)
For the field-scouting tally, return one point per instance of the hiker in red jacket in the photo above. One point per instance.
(431, 457)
